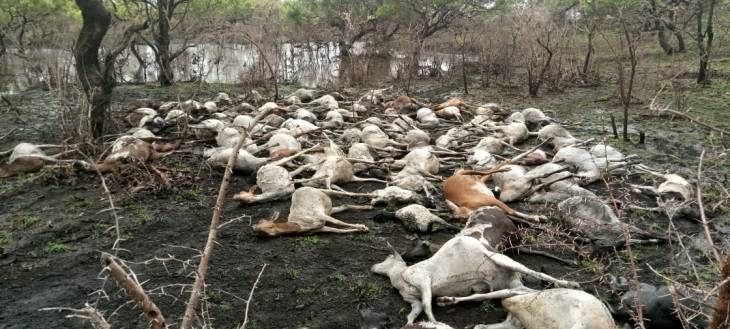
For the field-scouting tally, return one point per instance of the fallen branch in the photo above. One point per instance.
(112, 207)
(638, 315)
(703, 217)
(133, 289)
(250, 297)
(695, 120)
(663, 110)
(202, 270)
(8, 134)
(89, 313)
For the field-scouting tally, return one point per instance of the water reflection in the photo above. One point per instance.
(309, 64)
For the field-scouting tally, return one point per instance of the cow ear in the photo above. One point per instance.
(395, 252)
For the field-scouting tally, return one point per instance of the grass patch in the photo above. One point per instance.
(488, 307)
(303, 291)
(5, 238)
(367, 290)
(56, 248)
(27, 221)
(77, 206)
(193, 194)
(307, 241)
(142, 214)
(293, 273)
(215, 299)
(339, 276)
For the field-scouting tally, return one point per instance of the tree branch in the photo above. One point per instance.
(121, 46)
(202, 271)
(180, 51)
(705, 225)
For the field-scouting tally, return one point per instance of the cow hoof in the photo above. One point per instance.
(445, 301)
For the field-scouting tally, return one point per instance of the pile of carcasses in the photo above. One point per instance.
(304, 147)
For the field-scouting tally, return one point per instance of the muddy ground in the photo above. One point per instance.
(54, 224)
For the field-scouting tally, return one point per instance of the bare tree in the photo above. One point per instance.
(590, 23)
(96, 76)
(163, 12)
(663, 24)
(543, 58)
(431, 17)
(629, 44)
(705, 36)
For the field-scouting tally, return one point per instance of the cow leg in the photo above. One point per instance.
(492, 201)
(499, 294)
(416, 309)
(362, 179)
(534, 218)
(327, 229)
(336, 221)
(509, 263)
(425, 287)
(509, 323)
(347, 207)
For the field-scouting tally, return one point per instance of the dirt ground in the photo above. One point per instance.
(54, 224)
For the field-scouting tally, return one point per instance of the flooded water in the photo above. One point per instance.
(310, 64)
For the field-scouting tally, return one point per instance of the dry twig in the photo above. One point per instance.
(639, 315)
(705, 225)
(250, 297)
(202, 270)
(133, 289)
(666, 109)
(89, 313)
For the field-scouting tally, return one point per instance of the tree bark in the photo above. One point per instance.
(705, 36)
(97, 85)
(631, 42)
(662, 26)
(162, 40)
(3, 44)
(663, 38)
(96, 76)
(534, 83)
(589, 52)
(344, 48)
(141, 75)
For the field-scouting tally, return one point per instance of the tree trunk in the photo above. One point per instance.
(664, 42)
(3, 45)
(589, 52)
(662, 38)
(413, 64)
(141, 75)
(534, 83)
(632, 45)
(164, 58)
(464, 77)
(344, 48)
(672, 27)
(97, 85)
(680, 41)
(705, 36)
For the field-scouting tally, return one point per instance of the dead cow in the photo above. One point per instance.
(415, 218)
(492, 227)
(462, 266)
(128, 149)
(25, 158)
(596, 221)
(558, 308)
(465, 192)
(309, 213)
